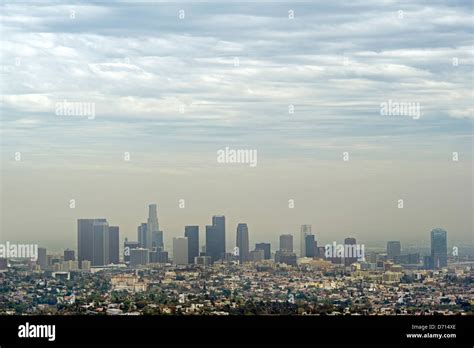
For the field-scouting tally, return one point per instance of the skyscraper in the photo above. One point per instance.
(305, 230)
(152, 226)
(350, 259)
(100, 256)
(310, 245)
(139, 256)
(85, 238)
(215, 238)
(157, 240)
(192, 233)
(180, 250)
(128, 246)
(286, 243)
(266, 247)
(439, 248)
(114, 245)
(393, 249)
(141, 234)
(41, 261)
(242, 242)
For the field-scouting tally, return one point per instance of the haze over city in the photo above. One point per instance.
(172, 90)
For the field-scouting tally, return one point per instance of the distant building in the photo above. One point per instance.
(157, 240)
(141, 235)
(69, 255)
(393, 249)
(286, 243)
(100, 256)
(3, 263)
(439, 248)
(305, 230)
(85, 239)
(349, 260)
(70, 265)
(286, 257)
(114, 245)
(158, 256)
(180, 250)
(242, 242)
(42, 259)
(152, 226)
(138, 257)
(257, 255)
(86, 265)
(202, 260)
(310, 245)
(215, 238)
(192, 233)
(267, 251)
(127, 247)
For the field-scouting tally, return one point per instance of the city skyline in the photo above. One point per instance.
(90, 232)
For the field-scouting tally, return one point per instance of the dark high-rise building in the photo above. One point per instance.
(85, 238)
(215, 238)
(439, 248)
(242, 242)
(267, 251)
(157, 240)
(192, 233)
(114, 245)
(286, 243)
(393, 249)
(352, 257)
(310, 246)
(69, 255)
(141, 234)
(42, 260)
(100, 256)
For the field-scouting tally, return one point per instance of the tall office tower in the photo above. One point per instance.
(215, 238)
(69, 255)
(128, 246)
(393, 249)
(286, 243)
(100, 255)
(350, 245)
(305, 230)
(138, 256)
(141, 234)
(42, 261)
(192, 233)
(114, 245)
(242, 242)
(85, 238)
(439, 248)
(152, 226)
(3, 263)
(157, 240)
(180, 250)
(310, 246)
(267, 251)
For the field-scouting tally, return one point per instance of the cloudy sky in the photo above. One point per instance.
(172, 83)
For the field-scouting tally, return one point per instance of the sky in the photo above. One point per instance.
(301, 83)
